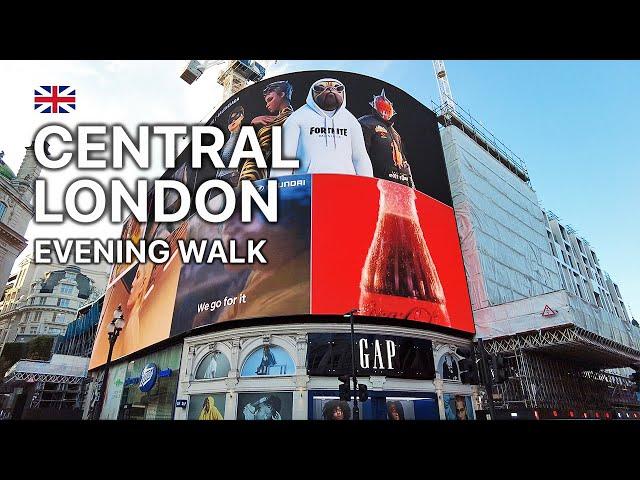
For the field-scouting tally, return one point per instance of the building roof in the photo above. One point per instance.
(5, 171)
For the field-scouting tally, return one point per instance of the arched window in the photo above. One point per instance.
(3, 208)
(213, 365)
(448, 367)
(268, 360)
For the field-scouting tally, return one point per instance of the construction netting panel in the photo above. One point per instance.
(501, 226)
(564, 308)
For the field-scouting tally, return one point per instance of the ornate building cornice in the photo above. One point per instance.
(12, 237)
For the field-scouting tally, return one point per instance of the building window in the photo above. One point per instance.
(598, 301)
(265, 406)
(448, 367)
(64, 302)
(54, 331)
(268, 360)
(577, 281)
(66, 289)
(617, 290)
(59, 318)
(213, 365)
(33, 330)
(209, 406)
(564, 282)
(3, 208)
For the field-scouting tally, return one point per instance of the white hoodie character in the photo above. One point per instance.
(324, 136)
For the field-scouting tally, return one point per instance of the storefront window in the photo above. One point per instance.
(207, 407)
(150, 386)
(265, 406)
(448, 367)
(458, 407)
(411, 408)
(213, 365)
(332, 408)
(379, 406)
(268, 360)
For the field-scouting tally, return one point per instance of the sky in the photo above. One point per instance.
(572, 122)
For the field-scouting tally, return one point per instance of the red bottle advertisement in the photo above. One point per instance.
(387, 250)
(399, 278)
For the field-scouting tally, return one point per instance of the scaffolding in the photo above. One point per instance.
(558, 369)
(81, 333)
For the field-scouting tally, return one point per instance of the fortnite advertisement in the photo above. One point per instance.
(338, 122)
(363, 220)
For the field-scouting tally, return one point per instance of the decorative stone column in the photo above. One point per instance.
(438, 383)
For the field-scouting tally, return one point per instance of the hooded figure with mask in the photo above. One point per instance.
(383, 142)
(324, 136)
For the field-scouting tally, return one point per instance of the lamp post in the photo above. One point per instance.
(113, 331)
(356, 408)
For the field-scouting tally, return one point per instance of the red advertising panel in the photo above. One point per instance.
(387, 250)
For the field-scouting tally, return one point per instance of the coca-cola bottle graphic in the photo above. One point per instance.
(399, 278)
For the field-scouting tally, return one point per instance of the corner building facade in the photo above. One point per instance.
(237, 384)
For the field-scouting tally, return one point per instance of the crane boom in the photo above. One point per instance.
(446, 98)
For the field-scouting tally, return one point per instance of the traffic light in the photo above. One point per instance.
(345, 388)
(635, 378)
(498, 368)
(363, 393)
(468, 366)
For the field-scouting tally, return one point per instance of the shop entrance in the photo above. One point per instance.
(133, 412)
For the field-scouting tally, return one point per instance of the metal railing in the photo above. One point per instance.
(471, 125)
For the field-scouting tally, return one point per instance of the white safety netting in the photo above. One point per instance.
(511, 272)
(501, 226)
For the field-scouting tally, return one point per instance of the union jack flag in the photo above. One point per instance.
(54, 99)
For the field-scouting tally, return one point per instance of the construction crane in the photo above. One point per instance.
(234, 77)
(446, 99)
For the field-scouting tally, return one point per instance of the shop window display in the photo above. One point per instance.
(409, 408)
(458, 407)
(213, 365)
(265, 406)
(448, 367)
(379, 406)
(209, 406)
(268, 360)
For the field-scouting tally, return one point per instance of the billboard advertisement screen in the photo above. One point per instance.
(366, 222)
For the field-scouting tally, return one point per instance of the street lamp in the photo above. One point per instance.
(113, 331)
(356, 408)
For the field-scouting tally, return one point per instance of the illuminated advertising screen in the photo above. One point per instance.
(366, 222)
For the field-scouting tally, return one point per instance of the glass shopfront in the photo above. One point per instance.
(150, 386)
(326, 405)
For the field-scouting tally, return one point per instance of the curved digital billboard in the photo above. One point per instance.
(366, 221)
